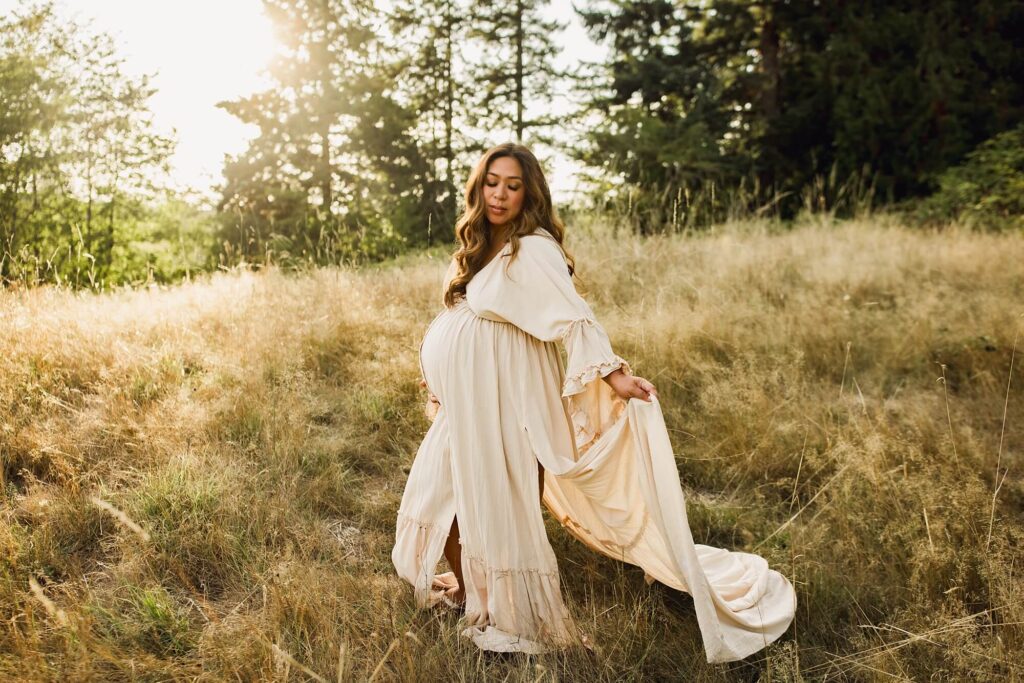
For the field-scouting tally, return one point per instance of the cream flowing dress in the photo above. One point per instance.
(507, 402)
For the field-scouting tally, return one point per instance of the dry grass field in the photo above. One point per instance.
(200, 482)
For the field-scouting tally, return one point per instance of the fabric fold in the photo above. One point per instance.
(619, 490)
(419, 546)
(611, 477)
(426, 514)
(590, 357)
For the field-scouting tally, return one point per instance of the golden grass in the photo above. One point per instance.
(201, 482)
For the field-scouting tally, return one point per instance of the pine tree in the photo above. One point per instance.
(659, 123)
(429, 76)
(516, 48)
(783, 95)
(333, 141)
(290, 181)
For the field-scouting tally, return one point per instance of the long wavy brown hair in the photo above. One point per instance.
(474, 232)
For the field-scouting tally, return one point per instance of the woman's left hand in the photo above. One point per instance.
(630, 386)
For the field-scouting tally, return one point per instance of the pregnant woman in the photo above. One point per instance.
(512, 427)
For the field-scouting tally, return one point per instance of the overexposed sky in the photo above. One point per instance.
(200, 52)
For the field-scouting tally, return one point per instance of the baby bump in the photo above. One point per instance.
(477, 357)
(449, 336)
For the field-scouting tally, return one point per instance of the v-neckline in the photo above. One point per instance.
(507, 243)
(486, 266)
(496, 256)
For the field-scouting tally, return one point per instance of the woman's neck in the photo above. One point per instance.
(497, 234)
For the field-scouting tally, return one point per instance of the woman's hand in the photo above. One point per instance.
(630, 386)
(432, 403)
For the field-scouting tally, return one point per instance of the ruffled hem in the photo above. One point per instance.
(418, 548)
(506, 571)
(515, 609)
(579, 379)
(590, 355)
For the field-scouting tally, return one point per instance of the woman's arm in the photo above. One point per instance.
(536, 293)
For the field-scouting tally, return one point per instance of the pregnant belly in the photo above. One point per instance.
(446, 343)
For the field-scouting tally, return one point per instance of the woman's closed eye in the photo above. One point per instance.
(512, 188)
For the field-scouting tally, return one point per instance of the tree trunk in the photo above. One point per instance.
(326, 175)
(325, 169)
(87, 238)
(108, 238)
(11, 233)
(769, 49)
(449, 113)
(519, 70)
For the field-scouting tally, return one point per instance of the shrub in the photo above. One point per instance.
(986, 191)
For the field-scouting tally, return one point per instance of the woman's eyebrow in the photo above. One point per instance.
(511, 177)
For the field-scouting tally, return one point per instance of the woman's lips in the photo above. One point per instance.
(496, 209)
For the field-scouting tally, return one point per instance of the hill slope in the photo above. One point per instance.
(202, 481)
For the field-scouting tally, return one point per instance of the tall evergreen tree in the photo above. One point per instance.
(292, 181)
(32, 108)
(790, 92)
(332, 141)
(658, 120)
(515, 68)
(429, 75)
(117, 149)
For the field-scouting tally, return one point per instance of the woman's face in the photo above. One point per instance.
(503, 190)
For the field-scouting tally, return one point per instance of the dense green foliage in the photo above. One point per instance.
(987, 190)
(777, 95)
(80, 163)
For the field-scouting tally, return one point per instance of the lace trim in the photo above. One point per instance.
(405, 520)
(578, 381)
(501, 571)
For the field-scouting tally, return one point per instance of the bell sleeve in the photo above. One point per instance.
(536, 293)
(622, 495)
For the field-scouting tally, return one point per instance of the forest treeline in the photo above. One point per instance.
(702, 110)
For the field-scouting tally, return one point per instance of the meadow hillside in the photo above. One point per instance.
(201, 481)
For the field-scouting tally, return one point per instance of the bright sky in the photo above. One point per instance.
(200, 52)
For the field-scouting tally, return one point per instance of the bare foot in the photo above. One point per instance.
(448, 591)
(457, 596)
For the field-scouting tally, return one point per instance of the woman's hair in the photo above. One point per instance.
(473, 229)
